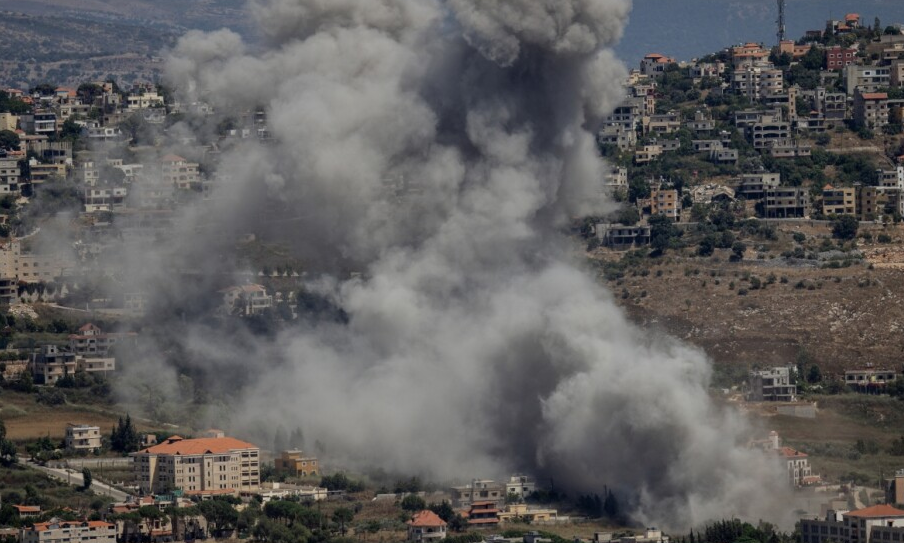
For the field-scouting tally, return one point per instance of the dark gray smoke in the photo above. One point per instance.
(438, 148)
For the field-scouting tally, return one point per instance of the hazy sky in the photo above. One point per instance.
(690, 28)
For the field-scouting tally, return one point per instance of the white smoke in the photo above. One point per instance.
(474, 344)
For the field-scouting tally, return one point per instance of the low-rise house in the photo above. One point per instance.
(246, 300)
(618, 236)
(78, 531)
(104, 198)
(708, 194)
(616, 180)
(25, 512)
(82, 437)
(749, 53)
(92, 342)
(839, 201)
(703, 122)
(869, 379)
(619, 135)
(705, 146)
(891, 179)
(39, 172)
(296, 464)
(837, 57)
(53, 363)
(772, 385)
(9, 176)
(426, 526)
(724, 156)
(283, 491)
(662, 123)
(654, 64)
(520, 512)
(647, 153)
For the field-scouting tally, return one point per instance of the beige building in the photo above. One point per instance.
(52, 364)
(179, 172)
(839, 201)
(295, 463)
(215, 464)
(521, 512)
(82, 437)
(27, 267)
(480, 490)
(78, 531)
(871, 109)
(8, 121)
(246, 300)
(879, 523)
(9, 176)
(665, 202)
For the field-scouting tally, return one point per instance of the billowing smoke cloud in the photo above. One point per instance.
(438, 148)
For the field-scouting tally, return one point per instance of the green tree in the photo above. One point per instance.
(845, 227)
(663, 233)
(814, 375)
(412, 503)
(342, 516)
(9, 140)
(220, 514)
(87, 478)
(737, 250)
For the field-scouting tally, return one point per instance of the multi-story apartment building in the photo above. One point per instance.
(92, 342)
(874, 202)
(479, 491)
(246, 300)
(765, 134)
(9, 176)
(871, 109)
(757, 81)
(748, 54)
(772, 385)
(76, 531)
(839, 201)
(619, 236)
(82, 437)
(866, 78)
(665, 202)
(29, 267)
(198, 465)
(875, 524)
(662, 123)
(654, 64)
(891, 179)
(521, 486)
(837, 57)
(753, 186)
(104, 198)
(787, 203)
(179, 172)
(53, 363)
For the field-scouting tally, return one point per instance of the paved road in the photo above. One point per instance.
(74, 477)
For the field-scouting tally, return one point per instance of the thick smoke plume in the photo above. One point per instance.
(438, 148)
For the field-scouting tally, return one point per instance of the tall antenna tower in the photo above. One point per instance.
(781, 21)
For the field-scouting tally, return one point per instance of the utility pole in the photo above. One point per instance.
(781, 21)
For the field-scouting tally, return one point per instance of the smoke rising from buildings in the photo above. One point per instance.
(438, 148)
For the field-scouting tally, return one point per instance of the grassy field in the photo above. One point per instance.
(25, 419)
(20, 485)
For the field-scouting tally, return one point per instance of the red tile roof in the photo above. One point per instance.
(877, 511)
(178, 446)
(171, 158)
(852, 17)
(788, 452)
(874, 96)
(43, 526)
(426, 518)
(27, 508)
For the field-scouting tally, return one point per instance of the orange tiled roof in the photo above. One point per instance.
(176, 445)
(171, 158)
(426, 518)
(874, 96)
(788, 452)
(43, 526)
(852, 17)
(877, 511)
(27, 508)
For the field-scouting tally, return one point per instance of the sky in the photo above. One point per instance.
(686, 29)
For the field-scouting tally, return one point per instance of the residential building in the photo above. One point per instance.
(790, 148)
(792, 48)
(891, 179)
(837, 57)
(707, 194)
(618, 236)
(866, 78)
(282, 491)
(787, 203)
(426, 526)
(27, 511)
(746, 118)
(8, 121)
(480, 490)
(296, 464)
(894, 488)
(707, 69)
(92, 342)
(705, 146)
(662, 123)
(483, 513)
(839, 201)
(873, 203)
(896, 73)
(9, 176)
(654, 64)
(748, 54)
(871, 109)
(521, 512)
(665, 202)
(104, 198)
(757, 81)
(616, 179)
(724, 156)
(521, 486)
(764, 134)
(39, 122)
(53, 363)
(179, 172)
(246, 300)
(647, 153)
(753, 186)
(40, 172)
(198, 465)
(875, 524)
(798, 466)
(82, 437)
(869, 379)
(703, 122)
(78, 531)
(619, 135)
(772, 385)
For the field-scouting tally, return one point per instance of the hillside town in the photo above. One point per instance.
(702, 155)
